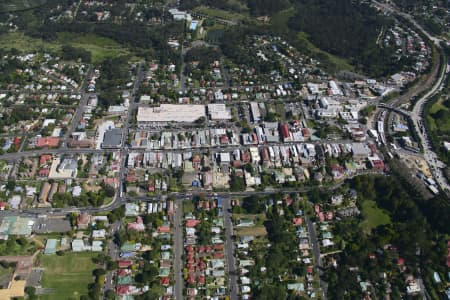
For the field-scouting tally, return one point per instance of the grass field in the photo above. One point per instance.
(220, 13)
(442, 123)
(373, 216)
(99, 47)
(69, 275)
(253, 230)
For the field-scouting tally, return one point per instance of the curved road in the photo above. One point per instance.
(417, 111)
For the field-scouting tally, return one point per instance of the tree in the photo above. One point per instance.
(31, 292)
(75, 53)
(109, 190)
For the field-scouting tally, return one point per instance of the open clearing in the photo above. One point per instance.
(219, 13)
(99, 47)
(69, 275)
(373, 216)
(15, 5)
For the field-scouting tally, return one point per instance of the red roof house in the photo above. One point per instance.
(297, 221)
(123, 290)
(47, 142)
(192, 223)
(165, 281)
(44, 159)
(123, 264)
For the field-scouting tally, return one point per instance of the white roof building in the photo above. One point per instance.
(219, 112)
(188, 113)
(98, 234)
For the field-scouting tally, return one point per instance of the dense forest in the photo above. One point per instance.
(417, 233)
(347, 29)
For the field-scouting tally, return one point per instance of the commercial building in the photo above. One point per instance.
(166, 113)
(219, 112)
(112, 138)
(256, 113)
(63, 169)
(360, 151)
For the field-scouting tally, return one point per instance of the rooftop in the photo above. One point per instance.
(171, 113)
(112, 138)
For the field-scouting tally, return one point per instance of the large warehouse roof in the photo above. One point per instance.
(171, 113)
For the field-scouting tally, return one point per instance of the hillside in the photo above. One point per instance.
(16, 5)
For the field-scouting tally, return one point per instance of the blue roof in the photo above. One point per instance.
(219, 201)
(126, 254)
(193, 25)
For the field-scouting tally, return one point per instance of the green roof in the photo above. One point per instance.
(165, 255)
(13, 225)
(124, 280)
(128, 247)
(163, 272)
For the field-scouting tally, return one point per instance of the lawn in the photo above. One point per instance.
(373, 216)
(253, 230)
(188, 207)
(69, 275)
(99, 47)
(441, 123)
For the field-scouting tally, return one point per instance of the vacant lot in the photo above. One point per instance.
(69, 275)
(254, 230)
(373, 216)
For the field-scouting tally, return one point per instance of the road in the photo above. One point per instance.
(125, 131)
(178, 249)
(113, 252)
(394, 10)
(80, 109)
(317, 257)
(229, 251)
(434, 84)
(418, 120)
(33, 212)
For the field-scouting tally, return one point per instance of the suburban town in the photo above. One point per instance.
(205, 150)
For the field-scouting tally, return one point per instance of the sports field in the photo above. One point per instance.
(68, 275)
